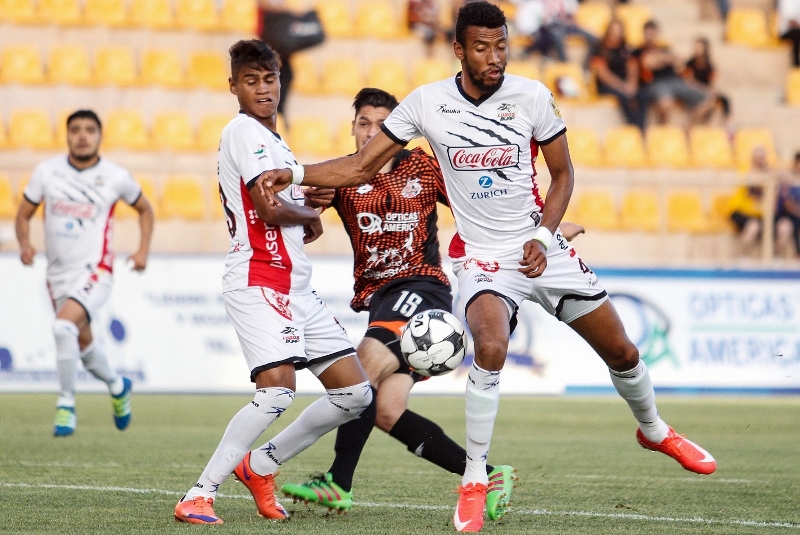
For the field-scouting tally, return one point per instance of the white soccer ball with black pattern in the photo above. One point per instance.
(433, 342)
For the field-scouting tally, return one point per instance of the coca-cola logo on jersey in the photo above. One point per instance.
(483, 158)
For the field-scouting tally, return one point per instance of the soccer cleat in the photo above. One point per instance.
(468, 517)
(691, 456)
(122, 406)
(197, 511)
(263, 490)
(498, 494)
(322, 490)
(66, 420)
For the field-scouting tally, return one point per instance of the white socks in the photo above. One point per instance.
(67, 351)
(636, 388)
(96, 363)
(482, 400)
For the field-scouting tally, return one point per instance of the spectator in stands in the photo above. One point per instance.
(658, 74)
(787, 214)
(699, 71)
(746, 205)
(617, 73)
(789, 26)
(549, 23)
(423, 19)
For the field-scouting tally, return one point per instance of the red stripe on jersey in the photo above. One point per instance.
(457, 248)
(270, 265)
(107, 257)
(537, 198)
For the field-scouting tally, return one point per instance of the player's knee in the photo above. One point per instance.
(66, 334)
(387, 417)
(353, 400)
(624, 357)
(490, 354)
(272, 401)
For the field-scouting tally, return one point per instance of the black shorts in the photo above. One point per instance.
(394, 304)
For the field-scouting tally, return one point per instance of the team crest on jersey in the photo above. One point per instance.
(279, 302)
(553, 105)
(261, 152)
(364, 188)
(411, 189)
(99, 181)
(507, 111)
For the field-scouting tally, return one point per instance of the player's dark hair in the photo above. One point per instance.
(651, 24)
(797, 157)
(253, 53)
(482, 14)
(84, 114)
(377, 98)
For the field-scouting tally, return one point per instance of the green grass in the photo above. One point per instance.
(580, 468)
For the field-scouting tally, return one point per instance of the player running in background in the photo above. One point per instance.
(281, 323)
(79, 192)
(488, 128)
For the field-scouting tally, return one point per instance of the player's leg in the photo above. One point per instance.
(70, 318)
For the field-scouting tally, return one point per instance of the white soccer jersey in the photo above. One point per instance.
(487, 150)
(259, 254)
(79, 211)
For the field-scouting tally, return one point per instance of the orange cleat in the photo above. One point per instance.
(263, 490)
(197, 511)
(691, 456)
(468, 517)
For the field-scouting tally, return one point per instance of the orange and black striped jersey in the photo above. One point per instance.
(391, 222)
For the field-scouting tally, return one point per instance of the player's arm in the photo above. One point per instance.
(287, 214)
(146, 221)
(22, 225)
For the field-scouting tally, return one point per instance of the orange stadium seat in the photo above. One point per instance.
(428, 70)
(156, 14)
(593, 17)
(61, 12)
(793, 87)
(710, 147)
(747, 26)
(162, 67)
(125, 129)
(210, 130)
(197, 14)
(183, 198)
(667, 147)
(390, 75)
(239, 16)
(640, 210)
(685, 212)
(8, 204)
(378, 19)
(306, 74)
(633, 18)
(748, 139)
(113, 13)
(209, 70)
(584, 146)
(345, 142)
(69, 64)
(172, 130)
(566, 80)
(124, 211)
(310, 136)
(342, 76)
(30, 128)
(18, 11)
(595, 209)
(336, 18)
(524, 68)
(115, 65)
(21, 64)
(624, 147)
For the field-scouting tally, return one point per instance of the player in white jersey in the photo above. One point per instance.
(79, 192)
(486, 129)
(281, 323)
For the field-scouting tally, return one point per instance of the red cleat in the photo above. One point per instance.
(691, 456)
(197, 511)
(263, 490)
(468, 517)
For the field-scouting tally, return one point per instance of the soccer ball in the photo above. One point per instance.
(433, 342)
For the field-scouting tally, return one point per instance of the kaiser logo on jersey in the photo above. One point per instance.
(484, 158)
(506, 111)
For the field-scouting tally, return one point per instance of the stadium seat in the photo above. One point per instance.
(197, 15)
(428, 70)
(30, 128)
(640, 210)
(685, 212)
(125, 129)
(69, 64)
(155, 14)
(524, 68)
(112, 13)
(390, 75)
(420, 142)
(624, 147)
(336, 18)
(566, 80)
(281, 126)
(710, 147)
(747, 26)
(306, 74)
(666, 147)
(793, 87)
(345, 142)
(61, 12)
(124, 211)
(162, 67)
(310, 136)
(342, 76)
(172, 130)
(18, 11)
(584, 146)
(8, 204)
(21, 64)
(748, 139)
(378, 19)
(3, 135)
(593, 17)
(719, 217)
(210, 130)
(115, 65)
(595, 209)
(633, 18)
(183, 198)
(61, 126)
(209, 70)
(215, 199)
(238, 16)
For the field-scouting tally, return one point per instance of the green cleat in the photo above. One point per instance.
(323, 491)
(122, 406)
(502, 481)
(65, 422)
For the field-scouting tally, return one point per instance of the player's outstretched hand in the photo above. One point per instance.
(26, 254)
(271, 182)
(138, 261)
(312, 231)
(534, 259)
(319, 197)
(571, 230)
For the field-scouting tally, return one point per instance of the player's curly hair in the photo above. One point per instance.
(482, 14)
(255, 53)
(377, 98)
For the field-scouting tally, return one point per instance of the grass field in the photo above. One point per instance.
(580, 468)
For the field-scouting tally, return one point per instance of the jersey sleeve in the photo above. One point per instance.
(405, 122)
(34, 191)
(129, 190)
(250, 152)
(547, 121)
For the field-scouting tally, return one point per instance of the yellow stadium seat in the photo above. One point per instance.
(69, 64)
(336, 18)
(710, 147)
(748, 139)
(719, 217)
(595, 209)
(593, 17)
(30, 128)
(310, 136)
(281, 126)
(566, 80)
(210, 130)
(172, 130)
(162, 67)
(793, 87)
(183, 198)
(61, 126)
(624, 147)
(685, 212)
(428, 70)
(390, 75)
(125, 129)
(640, 210)
(345, 142)
(18, 11)
(156, 14)
(378, 19)
(209, 70)
(342, 76)
(422, 143)
(747, 26)
(666, 146)
(3, 135)
(61, 12)
(113, 13)
(584, 146)
(525, 68)
(239, 16)
(633, 18)
(8, 204)
(197, 14)
(215, 198)
(21, 64)
(115, 65)
(306, 74)
(124, 211)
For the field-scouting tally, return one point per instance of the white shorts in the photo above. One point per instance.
(567, 289)
(91, 288)
(276, 329)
